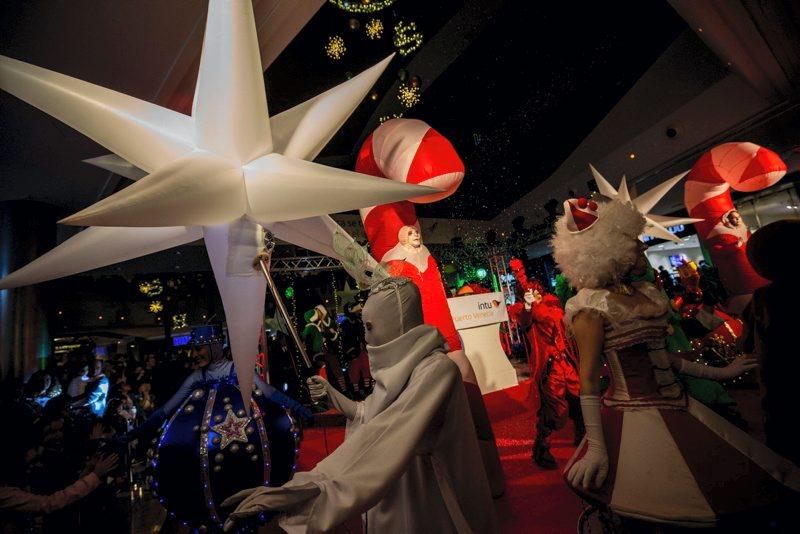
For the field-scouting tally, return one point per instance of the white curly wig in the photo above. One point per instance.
(603, 253)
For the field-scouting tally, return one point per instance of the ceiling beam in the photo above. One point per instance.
(757, 40)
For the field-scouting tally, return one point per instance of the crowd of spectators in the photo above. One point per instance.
(71, 464)
(64, 465)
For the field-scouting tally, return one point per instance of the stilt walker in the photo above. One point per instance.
(410, 151)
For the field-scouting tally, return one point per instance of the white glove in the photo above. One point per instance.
(737, 367)
(317, 388)
(320, 389)
(253, 501)
(591, 470)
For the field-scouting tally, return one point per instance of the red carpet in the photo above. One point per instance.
(535, 501)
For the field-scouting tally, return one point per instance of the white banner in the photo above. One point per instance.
(478, 310)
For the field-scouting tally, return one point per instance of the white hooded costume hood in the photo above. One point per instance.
(397, 340)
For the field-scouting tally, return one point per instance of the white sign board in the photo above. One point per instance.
(478, 310)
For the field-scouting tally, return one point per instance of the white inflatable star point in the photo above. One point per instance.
(655, 225)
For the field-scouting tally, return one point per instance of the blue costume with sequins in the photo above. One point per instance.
(211, 448)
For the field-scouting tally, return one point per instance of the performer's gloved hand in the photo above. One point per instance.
(529, 299)
(297, 409)
(739, 366)
(317, 388)
(253, 501)
(321, 389)
(591, 470)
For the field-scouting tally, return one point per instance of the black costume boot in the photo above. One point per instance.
(541, 454)
(545, 423)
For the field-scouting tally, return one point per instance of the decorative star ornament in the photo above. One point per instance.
(232, 429)
(222, 175)
(655, 225)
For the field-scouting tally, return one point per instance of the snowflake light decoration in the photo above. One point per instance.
(180, 320)
(374, 29)
(151, 288)
(408, 95)
(335, 48)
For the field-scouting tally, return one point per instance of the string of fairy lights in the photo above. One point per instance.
(406, 37)
(362, 6)
(384, 118)
(336, 309)
(157, 292)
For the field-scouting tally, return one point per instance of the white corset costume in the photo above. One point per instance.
(671, 459)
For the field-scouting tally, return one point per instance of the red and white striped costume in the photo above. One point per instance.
(671, 459)
(408, 150)
(744, 167)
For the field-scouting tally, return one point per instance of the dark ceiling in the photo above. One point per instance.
(519, 91)
(531, 88)
(515, 103)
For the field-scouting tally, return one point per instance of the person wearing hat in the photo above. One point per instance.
(207, 344)
(319, 329)
(214, 446)
(319, 332)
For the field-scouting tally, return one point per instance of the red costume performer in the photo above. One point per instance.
(551, 357)
(408, 150)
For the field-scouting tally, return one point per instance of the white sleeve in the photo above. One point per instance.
(586, 299)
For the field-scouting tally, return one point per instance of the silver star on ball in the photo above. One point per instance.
(232, 429)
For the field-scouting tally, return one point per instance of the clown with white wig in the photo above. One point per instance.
(651, 452)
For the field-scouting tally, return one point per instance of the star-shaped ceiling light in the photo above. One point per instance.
(231, 429)
(223, 174)
(655, 225)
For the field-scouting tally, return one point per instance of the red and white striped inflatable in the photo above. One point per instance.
(744, 167)
(409, 150)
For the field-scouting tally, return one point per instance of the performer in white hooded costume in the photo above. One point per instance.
(410, 460)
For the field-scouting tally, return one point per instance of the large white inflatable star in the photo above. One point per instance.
(223, 174)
